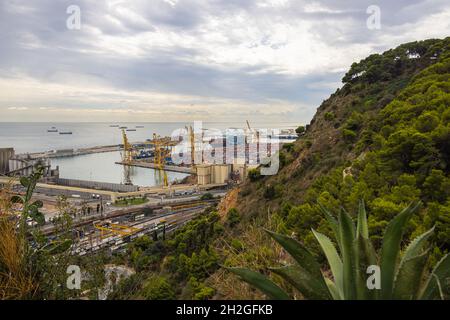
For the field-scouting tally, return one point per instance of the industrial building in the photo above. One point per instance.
(5, 155)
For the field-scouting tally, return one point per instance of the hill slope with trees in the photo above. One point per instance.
(382, 138)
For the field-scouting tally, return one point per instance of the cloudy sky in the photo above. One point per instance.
(184, 60)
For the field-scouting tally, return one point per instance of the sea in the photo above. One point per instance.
(29, 137)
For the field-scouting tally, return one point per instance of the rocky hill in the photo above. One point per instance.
(383, 137)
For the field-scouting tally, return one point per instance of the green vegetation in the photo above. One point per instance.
(404, 280)
(173, 268)
(254, 174)
(383, 138)
(130, 202)
(207, 196)
(329, 116)
(300, 130)
(31, 265)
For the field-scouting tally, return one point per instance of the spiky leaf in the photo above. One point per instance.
(391, 248)
(362, 228)
(365, 256)
(333, 289)
(417, 246)
(332, 222)
(307, 285)
(300, 254)
(334, 261)
(347, 234)
(409, 277)
(438, 282)
(260, 282)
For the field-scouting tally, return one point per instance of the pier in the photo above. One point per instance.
(151, 165)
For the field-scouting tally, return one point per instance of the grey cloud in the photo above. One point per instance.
(60, 55)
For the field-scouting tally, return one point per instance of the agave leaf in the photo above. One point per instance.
(409, 277)
(332, 222)
(362, 227)
(311, 288)
(440, 276)
(347, 234)
(333, 258)
(333, 289)
(417, 245)
(364, 256)
(300, 254)
(261, 282)
(391, 248)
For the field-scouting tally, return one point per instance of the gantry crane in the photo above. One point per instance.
(127, 158)
(127, 155)
(162, 150)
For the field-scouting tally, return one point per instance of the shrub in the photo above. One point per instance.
(300, 130)
(158, 288)
(329, 116)
(233, 217)
(349, 135)
(254, 174)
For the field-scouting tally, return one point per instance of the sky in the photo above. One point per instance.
(186, 60)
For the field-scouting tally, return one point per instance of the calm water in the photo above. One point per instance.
(102, 167)
(33, 137)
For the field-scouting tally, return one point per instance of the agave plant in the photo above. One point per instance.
(403, 275)
(30, 209)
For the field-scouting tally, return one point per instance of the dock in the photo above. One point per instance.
(151, 165)
(70, 152)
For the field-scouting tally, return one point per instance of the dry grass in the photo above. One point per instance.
(227, 202)
(16, 281)
(259, 252)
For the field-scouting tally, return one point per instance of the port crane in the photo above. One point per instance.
(127, 157)
(162, 150)
(128, 150)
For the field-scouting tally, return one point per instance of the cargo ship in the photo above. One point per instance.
(65, 132)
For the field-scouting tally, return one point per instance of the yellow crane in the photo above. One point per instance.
(161, 146)
(107, 229)
(127, 155)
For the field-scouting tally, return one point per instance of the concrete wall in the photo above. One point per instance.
(5, 155)
(96, 185)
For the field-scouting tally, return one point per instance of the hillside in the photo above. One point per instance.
(383, 137)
